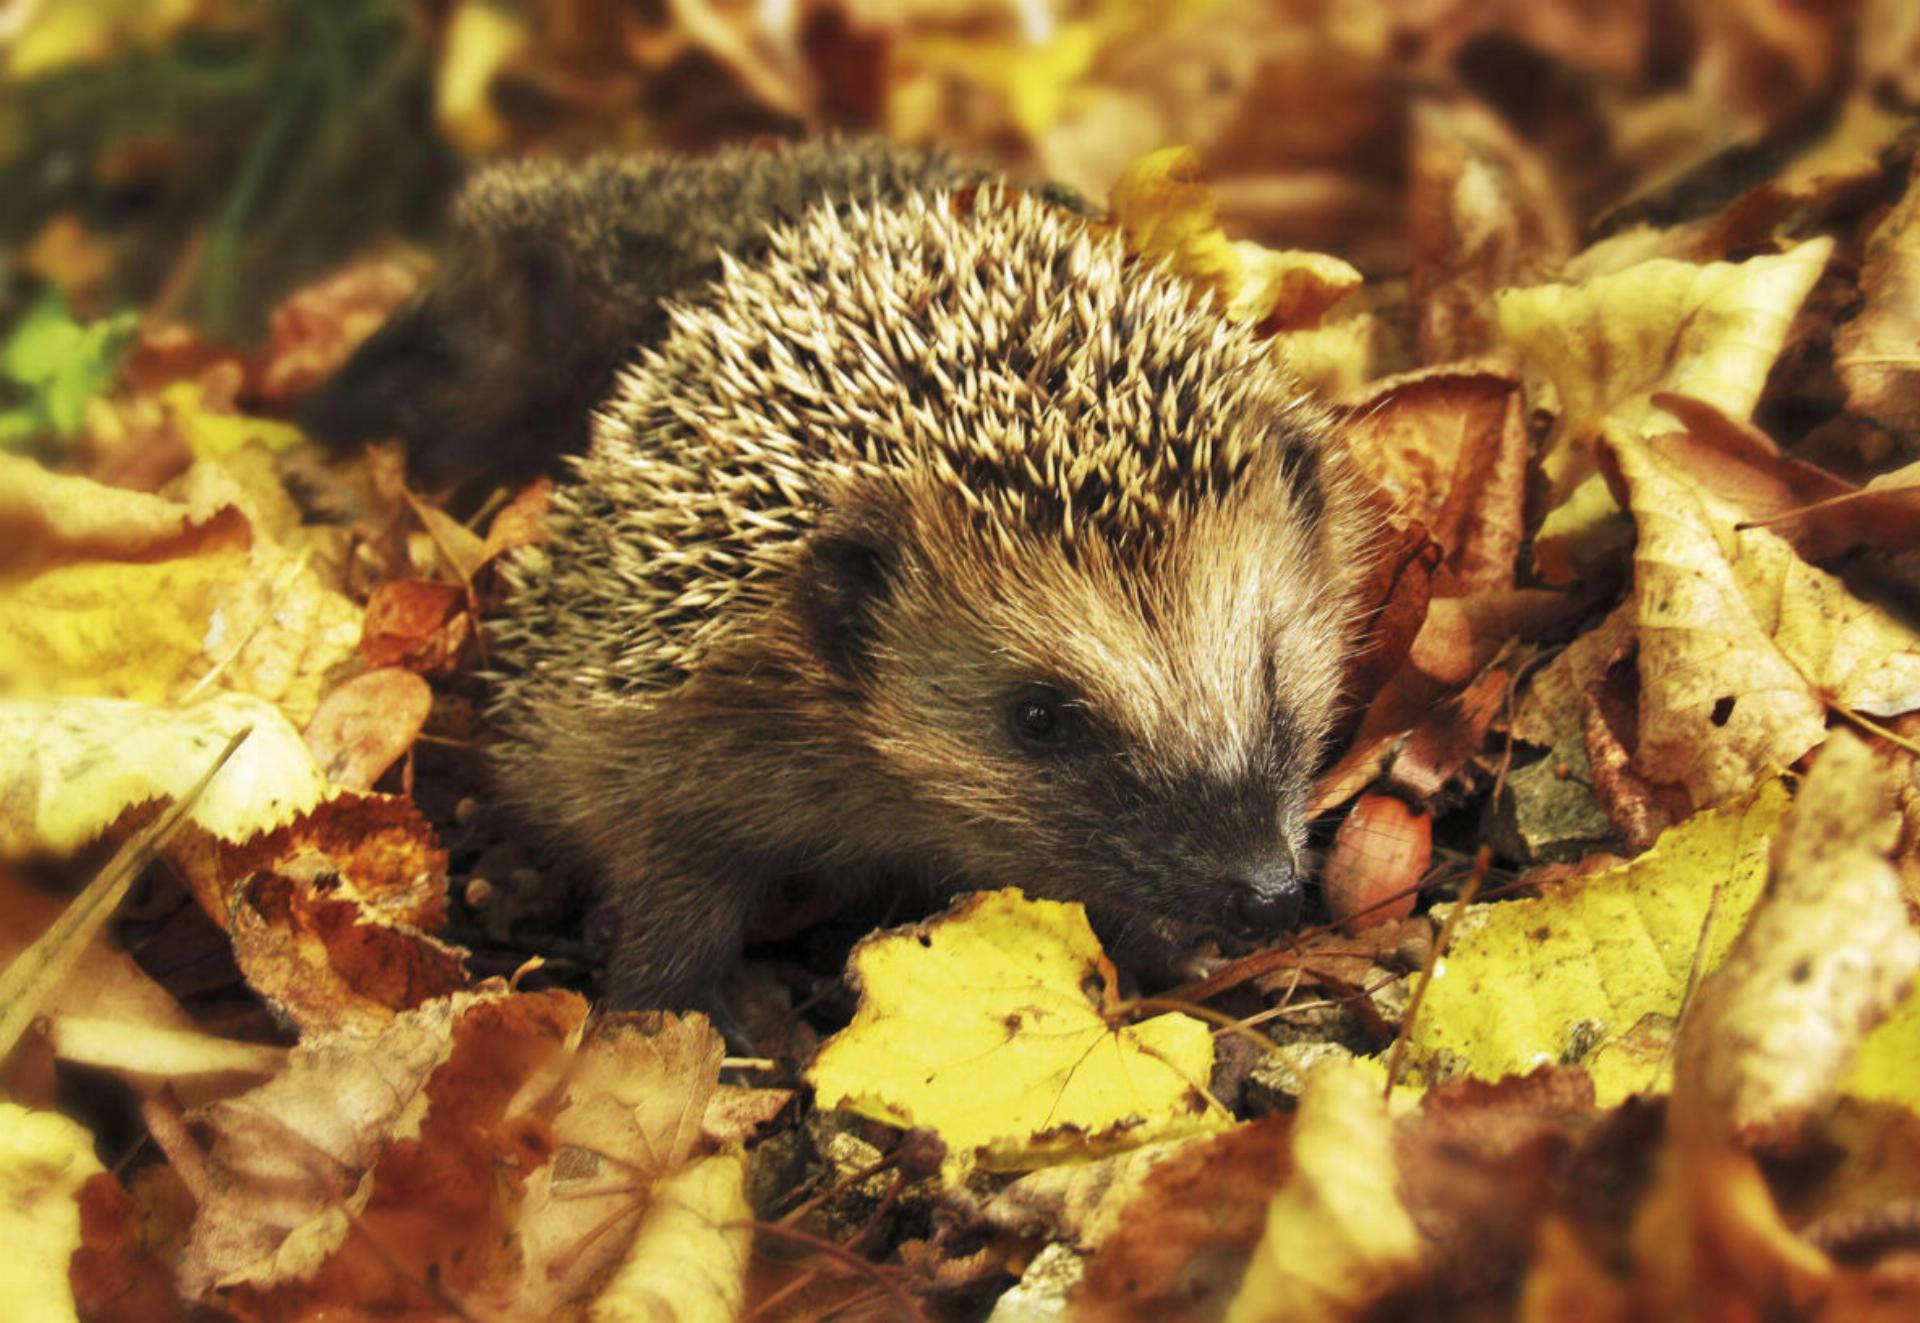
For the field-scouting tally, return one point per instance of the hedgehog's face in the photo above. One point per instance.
(1140, 735)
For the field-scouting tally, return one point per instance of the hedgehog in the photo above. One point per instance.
(937, 544)
(554, 273)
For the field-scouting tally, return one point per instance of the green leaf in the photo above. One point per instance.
(61, 365)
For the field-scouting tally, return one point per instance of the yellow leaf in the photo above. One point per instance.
(1288, 289)
(179, 592)
(1532, 982)
(120, 629)
(1165, 213)
(1610, 344)
(216, 435)
(480, 38)
(1337, 1236)
(79, 762)
(44, 1160)
(1022, 984)
(1821, 961)
(688, 1262)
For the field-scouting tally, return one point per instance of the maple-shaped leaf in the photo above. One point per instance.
(1022, 984)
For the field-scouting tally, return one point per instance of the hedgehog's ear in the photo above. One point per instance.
(847, 577)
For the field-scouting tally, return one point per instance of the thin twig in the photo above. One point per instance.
(1480, 864)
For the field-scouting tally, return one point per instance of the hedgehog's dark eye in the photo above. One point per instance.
(1039, 718)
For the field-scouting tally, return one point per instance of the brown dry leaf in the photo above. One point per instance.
(1480, 1163)
(1551, 710)
(1742, 645)
(327, 962)
(522, 521)
(1338, 1237)
(1180, 1242)
(377, 850)
(367, 724)
(418, 624)
(1877, 354)
(1824, 958)
(316, 328)
(49, 519)
(628, 1113)
(405, 1134)
(1449, 447)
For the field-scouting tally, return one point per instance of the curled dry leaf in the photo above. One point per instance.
(1022, 982)
(1877, 354)
(1337, 1239)
(49, 519)
(1449, 448)
(1177, 1245)
(1822, 960)
(1742, 645)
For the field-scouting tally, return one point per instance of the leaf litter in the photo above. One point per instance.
(1619, 321)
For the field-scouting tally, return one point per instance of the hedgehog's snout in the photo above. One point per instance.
(1265, 896)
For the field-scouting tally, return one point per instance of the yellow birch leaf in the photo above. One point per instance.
(1022, 984)
(44, 1160)
(1337, 1237)
(1167, 214)
(78, 763)
(1536, 981)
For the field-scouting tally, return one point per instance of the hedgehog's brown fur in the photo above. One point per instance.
(921, 463)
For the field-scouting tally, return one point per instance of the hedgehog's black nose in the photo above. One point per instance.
(1267, 897)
